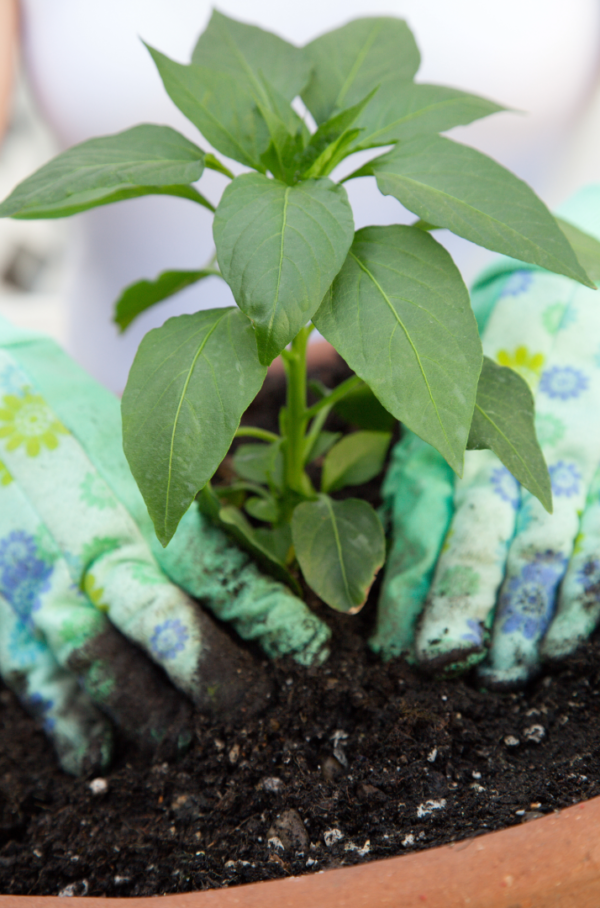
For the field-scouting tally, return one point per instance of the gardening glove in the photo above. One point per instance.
(512, 584)
(80, 566)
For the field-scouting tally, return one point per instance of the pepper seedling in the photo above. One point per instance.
(389, 299)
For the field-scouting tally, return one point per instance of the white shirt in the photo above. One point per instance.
(92, 75)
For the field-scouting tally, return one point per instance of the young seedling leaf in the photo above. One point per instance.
(361, 408)
(325, 440)
(355, 459)
(260, 463)
(189, 385)
(340, 546)
(232, 521)
(400, 315)
(330, 143)
(144, 160)
(279, 247)
(503, 421)
(453, 186)
(288, 134)
(140, 296)
(278, 541)
(404, 111)
(349, 61)
(586, 247)
(219, 106)
(262, 508)
(250, 55)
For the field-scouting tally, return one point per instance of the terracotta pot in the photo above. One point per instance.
(553, 862)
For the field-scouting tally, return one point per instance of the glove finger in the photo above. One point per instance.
(540, 552)
(82, 737)
(108, 558)
(418, 491)
(454, 629)
(578, 610)
(200, 559)
(36, 583)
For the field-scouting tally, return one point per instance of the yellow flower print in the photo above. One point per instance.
(528, 365)
(94, 593)
(29, 421)
(5, 477)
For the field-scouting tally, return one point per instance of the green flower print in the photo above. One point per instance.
(29, 421)
(81, 628)
(146, 574)
(549, 429)
(5, 477)
(95, 493)
(459, 580)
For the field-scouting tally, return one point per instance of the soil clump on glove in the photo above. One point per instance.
(352, 761)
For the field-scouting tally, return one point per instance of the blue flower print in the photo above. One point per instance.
(563, 382)
(40, 708)
(24, 649)
(518, 282)
(527, 601)
(23, 575)
(168, 639)
(589, 576)
(565, 479)
(475, 632)
(13, 381)
(506, 486)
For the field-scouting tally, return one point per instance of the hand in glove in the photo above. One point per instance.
(513, 584)
(81, 571)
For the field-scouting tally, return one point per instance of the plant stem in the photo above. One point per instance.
(349, 385)
(294, 361)
(253, 432)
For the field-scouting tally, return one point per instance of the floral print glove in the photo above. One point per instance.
(513, 584)
(82, 595)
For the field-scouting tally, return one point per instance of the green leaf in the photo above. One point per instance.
(251, 55)
(279, 247)
(586, 247)
(260, 463)
(454, 186)
(140, 296)
(278, 541)
(221, 108)
(400, 315)
(340, 546)
(288, 134)
(355, 459)
(331, 142)
(349, 61)
(144, 160)
(361, 408)
(503, 420)
(189, 385)
(404, 111)
(262, 508)
(325, 441)
(233, 522)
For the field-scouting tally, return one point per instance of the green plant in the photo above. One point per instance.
(389, 299)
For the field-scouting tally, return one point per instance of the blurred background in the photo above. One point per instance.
(83, 71)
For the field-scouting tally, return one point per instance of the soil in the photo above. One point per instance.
(352, 762)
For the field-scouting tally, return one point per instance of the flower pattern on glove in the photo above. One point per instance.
(29, 421)
(24, 576)
(5, 477)
(563, 382)
(475, 632)
(24, 648)
(558, 316)
(527, 365)
(549, 429)
(506, 486)
(565, 479)
(527, 600)
(168, 639)
(517, 283)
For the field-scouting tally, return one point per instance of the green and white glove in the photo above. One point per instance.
(81, 571)
(513, 584)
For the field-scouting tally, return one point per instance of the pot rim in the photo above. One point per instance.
(551, 862)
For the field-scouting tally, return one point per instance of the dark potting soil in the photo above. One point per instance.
(350, 762)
